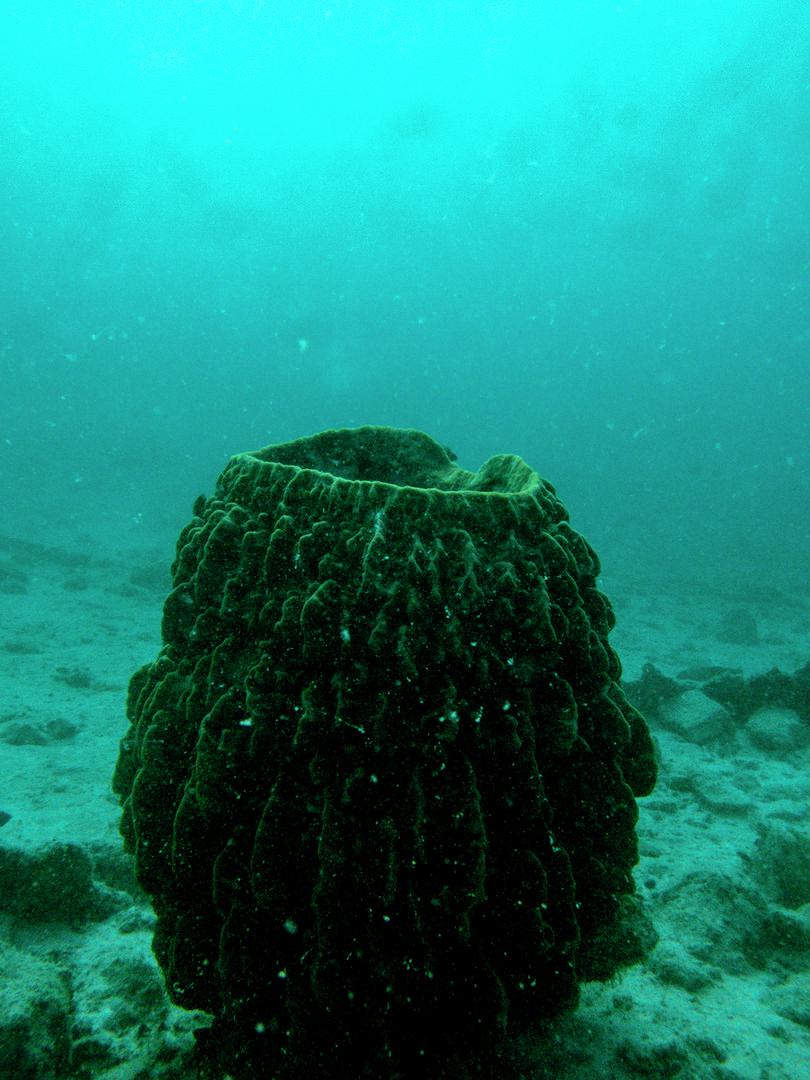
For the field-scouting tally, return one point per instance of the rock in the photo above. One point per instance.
(708, 914)
(12, 581)
(660, 1060)
(792, 999)
(737, 627)
(673, 966)
(701, 673)
(768, 689)
(780, 940)
(23, 735)
(781, 863)
(776, 730)
(652, 691)
(122, 1009)
(53, 883)
(35, 1018)
(697, 718)
(720, 795)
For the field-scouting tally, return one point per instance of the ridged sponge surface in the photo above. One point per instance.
(379, 782)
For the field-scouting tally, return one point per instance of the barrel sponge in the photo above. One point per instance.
(380, 780)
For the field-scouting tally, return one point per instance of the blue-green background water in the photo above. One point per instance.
(577, 231)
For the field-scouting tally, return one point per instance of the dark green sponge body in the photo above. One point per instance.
(379, 783)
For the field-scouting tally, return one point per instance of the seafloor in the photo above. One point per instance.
(725, 837)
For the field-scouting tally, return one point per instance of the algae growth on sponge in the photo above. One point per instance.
(380, 781)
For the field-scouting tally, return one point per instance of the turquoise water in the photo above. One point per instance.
(575, 231)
